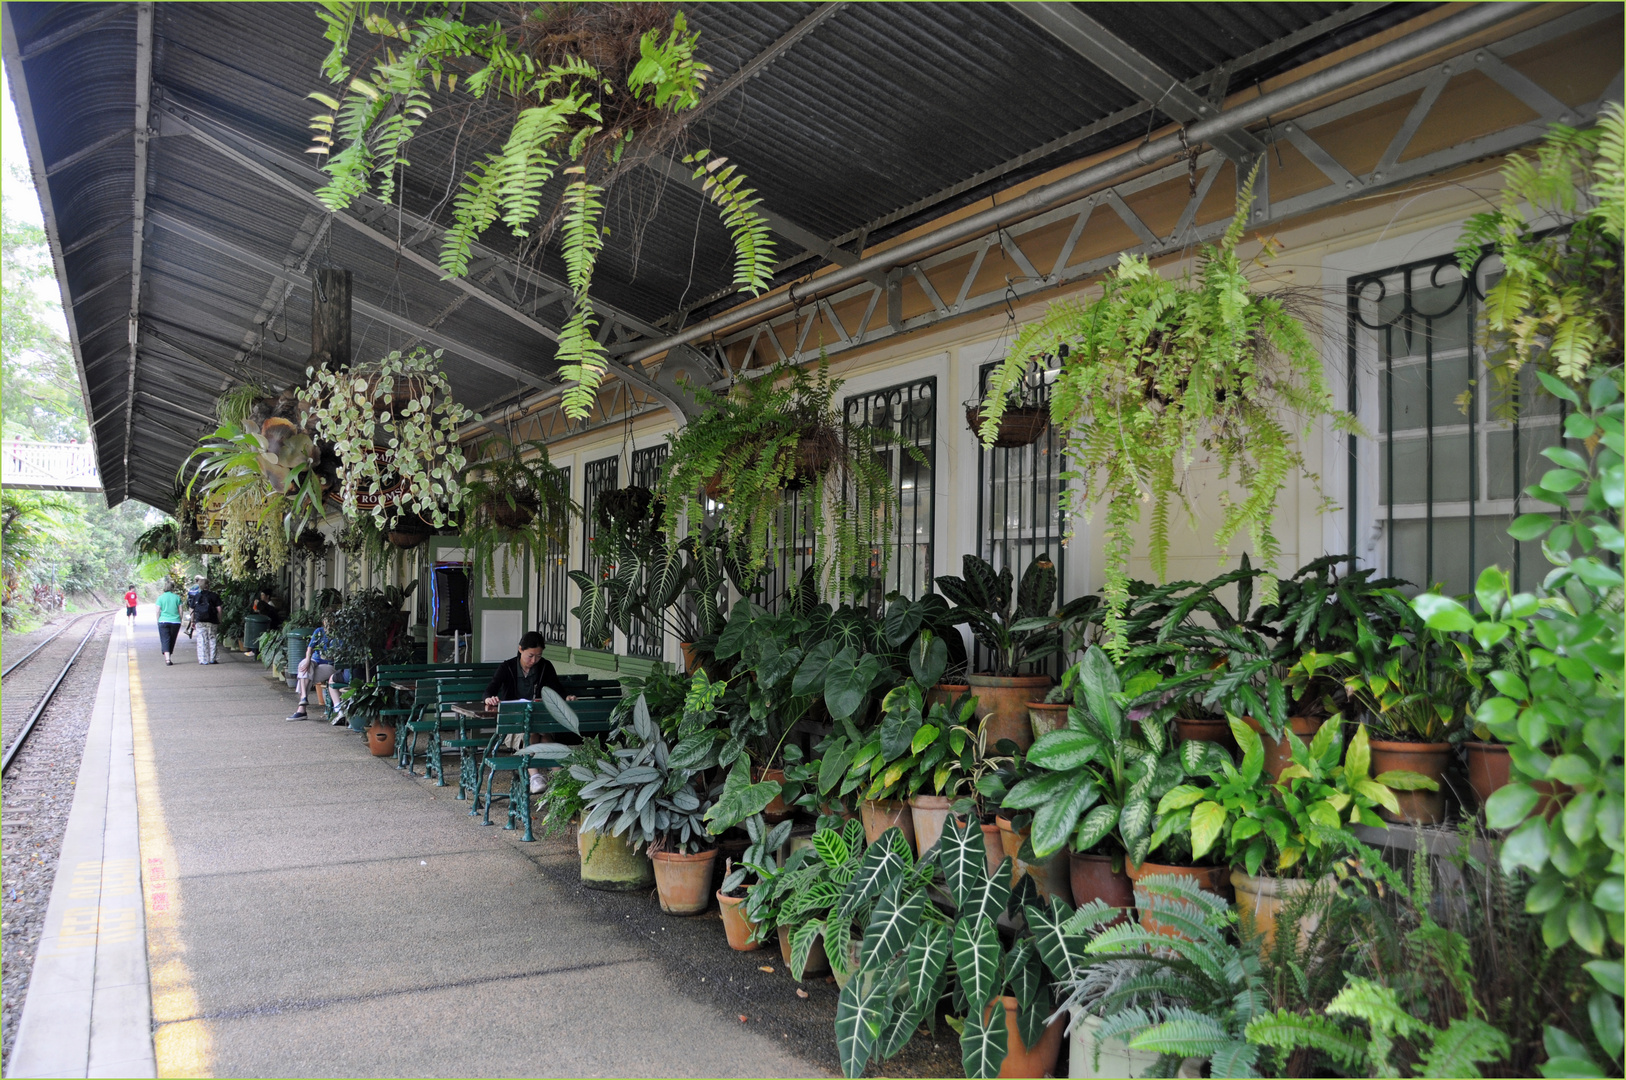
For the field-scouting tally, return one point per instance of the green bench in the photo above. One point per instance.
(530, 719)
(430, 715)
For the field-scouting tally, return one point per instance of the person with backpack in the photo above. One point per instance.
(206, 618)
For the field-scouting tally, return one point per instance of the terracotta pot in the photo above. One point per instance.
(738, 928)
(1002, 706)
(1553, 797)
(1214, 879)
(991, 843)
(776, 810)
(1279, 752)
(882, 814)
(1022, 1060)
(609, 864)
(928, 812)
(1261, 899)
(946, 694)
(381, 738)
(691, 659)
(1094, 879)
(1046, 718)
(683, 882)
(1051, 876)
(1429, 759)
(1490, 768)
(1207, 729)
(817, 962)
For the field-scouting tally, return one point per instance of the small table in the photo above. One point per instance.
(409, 686)
(474, 710)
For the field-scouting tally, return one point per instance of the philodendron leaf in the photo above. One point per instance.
(891, 927)
(740, 799)
(983, 1045)
(900, 1027)
(923, 967)
(880, 867)
(1062, 952)
(989, 901)
(977, 958)
(963, 855)
(928, 657)
(859, 1019)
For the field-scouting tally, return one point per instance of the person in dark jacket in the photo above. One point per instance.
(521, 678)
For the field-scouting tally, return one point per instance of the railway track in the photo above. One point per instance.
(27, 729)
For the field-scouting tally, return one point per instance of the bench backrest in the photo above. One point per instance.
(530, 718)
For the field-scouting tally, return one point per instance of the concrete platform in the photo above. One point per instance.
(312, 911)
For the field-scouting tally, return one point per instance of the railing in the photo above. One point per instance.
(49, 466)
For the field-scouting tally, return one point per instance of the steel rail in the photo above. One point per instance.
(39, 710)
(71, 623)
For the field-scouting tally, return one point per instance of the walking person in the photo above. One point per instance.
(130, 599)
(522, 677)
(169, 619)
(206, 620)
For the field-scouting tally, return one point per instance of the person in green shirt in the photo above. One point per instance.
(169, 619)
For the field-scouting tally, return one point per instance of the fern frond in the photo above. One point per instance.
(1462, 1047)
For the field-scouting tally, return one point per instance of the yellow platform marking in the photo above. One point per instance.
(183, 1046)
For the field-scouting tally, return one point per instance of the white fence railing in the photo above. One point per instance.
(50, 466)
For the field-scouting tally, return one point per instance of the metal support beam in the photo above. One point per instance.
(372, 311)
(1126, 65)
(1146, 155)
(43, 45)
(754, 66)
(143, 100)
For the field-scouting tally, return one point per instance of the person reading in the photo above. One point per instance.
(521, 678)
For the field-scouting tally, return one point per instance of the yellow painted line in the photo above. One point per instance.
(182, 1045)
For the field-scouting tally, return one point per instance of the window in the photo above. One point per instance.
(553, 587)
(1452, 458)
(1019, 510)
(600, 476)
(909, 412)
(645, 639)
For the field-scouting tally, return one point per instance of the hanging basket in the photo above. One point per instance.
(517, 515)
(408, 535)
(1021, 425)
(312, 542)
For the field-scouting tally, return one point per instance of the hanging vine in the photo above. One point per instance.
(563, 91)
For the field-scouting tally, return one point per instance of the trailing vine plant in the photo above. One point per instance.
(513, 495)
(393, 427)
(1155, 373)
(563, 91)
(768, 435)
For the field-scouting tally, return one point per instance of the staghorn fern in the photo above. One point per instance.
(572, 118)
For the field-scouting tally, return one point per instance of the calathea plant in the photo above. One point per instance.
(1156, 372)
(393, 426)
(573, 93)
(1016, 628)
(642, 796)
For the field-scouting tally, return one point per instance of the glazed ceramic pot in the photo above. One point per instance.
(1116, 1059)
(1002, 706)
(1420, 807)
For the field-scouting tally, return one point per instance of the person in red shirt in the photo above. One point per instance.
(130, 599)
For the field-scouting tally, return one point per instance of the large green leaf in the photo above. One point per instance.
(1036, 791)
(928, 657)
(1095, 827)
(1057, 818)
(834, 766)
(831, 848)
(809, 678)
(983, 1046)
(963, 856)
(740, 799)
(989, 901)
(847, 680)
(859, 1018)
(881, 866)
(1061, 952)
(801, 944)
(1207, 819)
(1064, 750)
(890, 928)
(923, 967)
(977, 958)
(1099, 682)
(900, 1027)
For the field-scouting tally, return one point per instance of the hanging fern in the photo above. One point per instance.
(1156, 372)
(561, 89)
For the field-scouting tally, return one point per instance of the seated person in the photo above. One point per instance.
(522, 677)
(316, 668)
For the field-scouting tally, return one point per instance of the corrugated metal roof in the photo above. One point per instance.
(861, 126)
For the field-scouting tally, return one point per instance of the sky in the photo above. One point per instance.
(22, 202)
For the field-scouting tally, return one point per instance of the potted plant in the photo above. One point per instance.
(513, 498)
(759, 859)
(803, 902)
(364, 704)
(1158, 373)
(1017, 629)
(657, 806)
(1002, 995)
(783, 429)
(1299, 818)
(391, 454)
(1091, 787)
(1023, 418)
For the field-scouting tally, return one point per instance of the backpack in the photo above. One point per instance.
(206, 607)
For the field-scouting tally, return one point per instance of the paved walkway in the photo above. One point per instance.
(312, 911)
